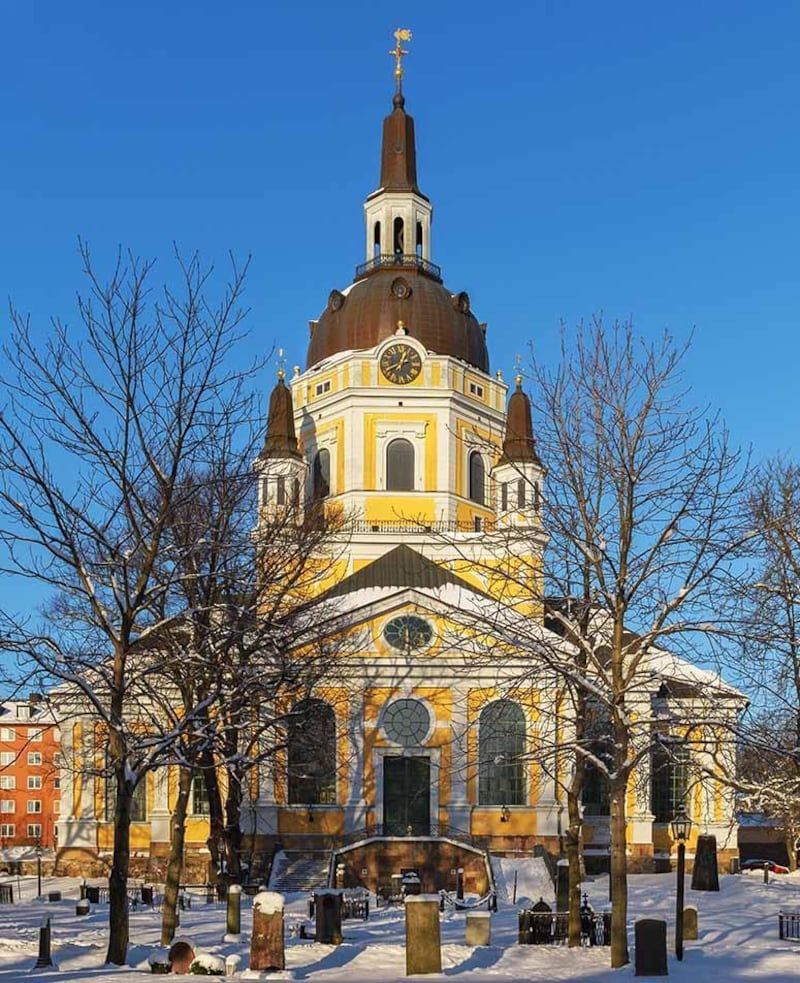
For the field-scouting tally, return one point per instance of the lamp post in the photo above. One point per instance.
(39, 868)
(681, 825)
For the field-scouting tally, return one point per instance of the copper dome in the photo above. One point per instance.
(369, 313)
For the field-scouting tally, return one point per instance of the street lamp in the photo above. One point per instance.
(681, 825)
(38, 852)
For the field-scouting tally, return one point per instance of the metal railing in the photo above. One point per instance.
(411, 525)
(399, 261)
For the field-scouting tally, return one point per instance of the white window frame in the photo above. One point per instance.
(7, 806)
(414, 432)
(35, 831)
(8, 782)
(8, 734)
(34, 807)
(34, 758)
(35, 733)
(7, 758)
(34, 783)
(7, 829)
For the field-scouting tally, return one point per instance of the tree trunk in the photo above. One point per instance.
(175, 864)
(619, 872)
(233, 829)
(118, 879)
(574, 859)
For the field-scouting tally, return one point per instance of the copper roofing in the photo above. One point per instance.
(399, 568)
(370, 311)
(281, 440)
(399, 151)
(519, 445)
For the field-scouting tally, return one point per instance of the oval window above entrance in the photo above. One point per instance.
(406, 722)
(408, 632)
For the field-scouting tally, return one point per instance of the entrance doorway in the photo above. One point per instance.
(406, 796)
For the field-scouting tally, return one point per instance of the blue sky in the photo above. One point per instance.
(631, 158)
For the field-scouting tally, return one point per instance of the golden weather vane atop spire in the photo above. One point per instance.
(400, 35)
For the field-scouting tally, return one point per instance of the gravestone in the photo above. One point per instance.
(423, 938)
(562, 885)
(705, 876)
(651, 947)
(82, 907)
(479, 928)
(234, 918)
(542, 924)
(181, 956)
(328, 917)
(45, 959)
(93, 893)
(147, 895)
(690, 923)
(266, 944)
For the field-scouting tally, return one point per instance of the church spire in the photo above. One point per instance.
(398, 215)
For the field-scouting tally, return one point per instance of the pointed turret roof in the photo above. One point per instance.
(399, 151)
(519, 446)
(281, 440)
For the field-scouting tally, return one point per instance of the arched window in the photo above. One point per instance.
(400, 465)
(477, 478)
(521, 497)
(322, 474)
(419, 238)
(376, 239)
(398, 237)
(501, 746)
(311, 755)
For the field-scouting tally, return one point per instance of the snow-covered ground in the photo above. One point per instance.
(738, 936)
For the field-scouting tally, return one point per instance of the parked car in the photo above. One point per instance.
(759, 865)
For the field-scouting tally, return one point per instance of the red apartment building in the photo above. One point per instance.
(30, 796)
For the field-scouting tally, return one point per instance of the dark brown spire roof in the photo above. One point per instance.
(281, 440)
(519, 445)
(399, 151)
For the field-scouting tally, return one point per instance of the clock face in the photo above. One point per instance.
(401, 364)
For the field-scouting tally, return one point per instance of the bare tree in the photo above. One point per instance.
(102, 427)
(769, 663)
(642, 505)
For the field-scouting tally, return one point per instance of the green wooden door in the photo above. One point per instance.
(406, 796)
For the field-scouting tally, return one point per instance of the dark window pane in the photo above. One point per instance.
(477, 478)
(322, 474)
(400, 465)
(501, 746)
(312, 754)
(669, 779)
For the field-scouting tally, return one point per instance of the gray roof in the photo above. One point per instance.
(400, 568)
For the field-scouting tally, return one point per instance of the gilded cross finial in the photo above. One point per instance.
(401, 34)
(518, 376)
(281, 364)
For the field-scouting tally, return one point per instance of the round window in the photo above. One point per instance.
(408, 632)
(406, 722)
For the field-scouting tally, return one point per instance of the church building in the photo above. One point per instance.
(432, 744)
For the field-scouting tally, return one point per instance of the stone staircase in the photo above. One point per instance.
(299, 871)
